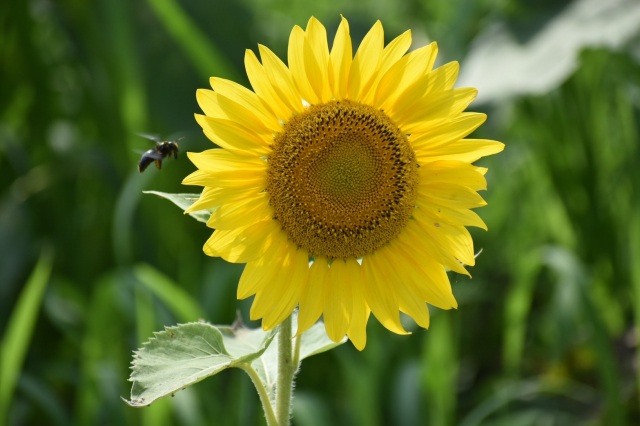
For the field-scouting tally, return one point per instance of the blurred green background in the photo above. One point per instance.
(547, 329)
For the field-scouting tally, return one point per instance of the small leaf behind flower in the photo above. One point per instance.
(188, 353)
(315, 341)
(184, 201)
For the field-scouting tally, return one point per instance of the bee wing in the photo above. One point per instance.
(151, 137)
(176, 137)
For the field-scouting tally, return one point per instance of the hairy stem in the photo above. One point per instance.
(263, 394)
(286, 372)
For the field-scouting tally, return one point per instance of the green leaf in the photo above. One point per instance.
(315, 340)
(188, 353)
(184, 201)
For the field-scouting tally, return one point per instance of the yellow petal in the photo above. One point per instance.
(441, 79)
(394, 51)
(242, 213)
(468, 150)
(450, 195)
(225, 169)
(275, 302)
(429, 249)
(199, 177)
(239, 178)
(453, 172)
(213, 197)
(340, 61)
(316, 59)
(231, 135)
(337, 299)
(360, 316)
(276, 290)
(259, 273)
(296, 60)
(262, 86)
(366, 61)
(423, 275)
(441, 214)
(218, 106)
(411, 305)
(390, 56)
(432, 111)
(454, 239)
(247, 99)
(311, 298)
(281, 80)
(460, 240)
(225, 160)
(403, 74)
(242, 245)
(448, 131)
(430, 92)
(380, 292)
(208, 102)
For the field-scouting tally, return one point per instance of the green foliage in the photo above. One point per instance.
(546, 331)
(182, 305)
(188, 353)
(183, 355)
(15, 341)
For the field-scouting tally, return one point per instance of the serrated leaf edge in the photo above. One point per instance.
(244, 361)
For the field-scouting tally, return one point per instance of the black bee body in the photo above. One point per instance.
(157, 154)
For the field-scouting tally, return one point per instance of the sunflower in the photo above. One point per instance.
(343, 182)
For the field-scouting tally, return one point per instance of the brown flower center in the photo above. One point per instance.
(342, 179)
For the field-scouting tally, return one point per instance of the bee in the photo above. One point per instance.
(158, 153)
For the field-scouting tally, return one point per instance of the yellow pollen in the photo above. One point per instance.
(342, 179)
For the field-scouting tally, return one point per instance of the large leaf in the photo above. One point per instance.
(186, 354)
(184, 201)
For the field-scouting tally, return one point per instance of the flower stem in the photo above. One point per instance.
(263, 394)
(286, 373)
(296, 351)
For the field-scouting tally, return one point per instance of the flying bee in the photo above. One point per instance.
(158, 153)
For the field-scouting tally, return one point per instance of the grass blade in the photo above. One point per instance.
(204, 55)
(181, 304)
(20, 328)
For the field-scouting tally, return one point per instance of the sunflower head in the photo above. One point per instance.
(344, 182)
